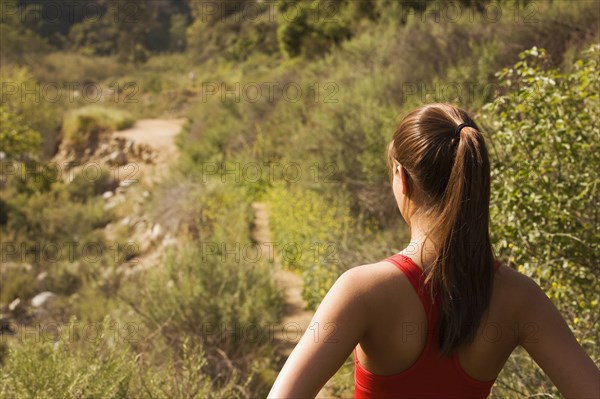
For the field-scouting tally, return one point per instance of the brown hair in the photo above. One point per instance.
(451, 173)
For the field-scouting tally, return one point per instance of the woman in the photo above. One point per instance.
(439, 319)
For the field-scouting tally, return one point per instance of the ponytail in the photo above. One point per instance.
(451, 167)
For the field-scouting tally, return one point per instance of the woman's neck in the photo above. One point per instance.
(421, 249)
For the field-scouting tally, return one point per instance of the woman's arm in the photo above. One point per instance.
(335, 330)
(547, 338)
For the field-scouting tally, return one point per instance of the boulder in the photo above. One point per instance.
(14, 305)
(42, 299)
(157, 232)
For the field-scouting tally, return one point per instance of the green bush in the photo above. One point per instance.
(27, 118)
(82, 188)
(40, 367)
(84, 126)
(311, 233)
(184, 376)
(16, 282)
(48, 221)
(16, 138)
(546, 137)
(78, 68)
(216, 290)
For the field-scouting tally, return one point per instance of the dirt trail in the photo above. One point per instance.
(295, 317)
(160, 135)
(157, 133)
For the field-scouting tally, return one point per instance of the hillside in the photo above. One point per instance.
(183, 181)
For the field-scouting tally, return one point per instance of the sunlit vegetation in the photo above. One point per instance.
(332, 81)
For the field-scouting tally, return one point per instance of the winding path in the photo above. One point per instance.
(295, 316)
(157, 133)
(160, 135)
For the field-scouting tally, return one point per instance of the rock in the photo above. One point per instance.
(14, 305)
(144, 242)
(126, 183)
(118, 158)
(42, 276)
(169, 241)
(157, 232)
(126, 221)
(42, 299)
(106, 195)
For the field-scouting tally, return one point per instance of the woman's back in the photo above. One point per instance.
(395, 355)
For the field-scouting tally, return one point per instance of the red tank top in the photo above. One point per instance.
(430, 376)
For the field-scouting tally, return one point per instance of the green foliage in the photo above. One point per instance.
(16, 38)
(63, 67)
(231, 30)
(311, 233)
(360, 65)
(16, 138)
(95, 36)
(219, 290)
(177, 31)
(28, 119)
(185, 377)
(313, 29)
(545, 182)
(16, 282)
(83, 188)
(41, 368)
(84, 126)
(50, 218)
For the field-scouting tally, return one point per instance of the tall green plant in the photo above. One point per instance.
(546, 137)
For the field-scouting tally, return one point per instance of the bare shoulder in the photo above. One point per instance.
(376, 282)
(376, 275)
(519, 298)
(516, 285)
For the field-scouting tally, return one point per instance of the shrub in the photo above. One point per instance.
(26, 120)
(85, 126)
(215, 290)
(545, 175)
(311, 232)
(43, 368)
(185, 376)
(16, 282)
(82, 188)
(16, 138)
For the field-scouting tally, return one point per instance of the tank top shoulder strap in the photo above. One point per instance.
(414, 274)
